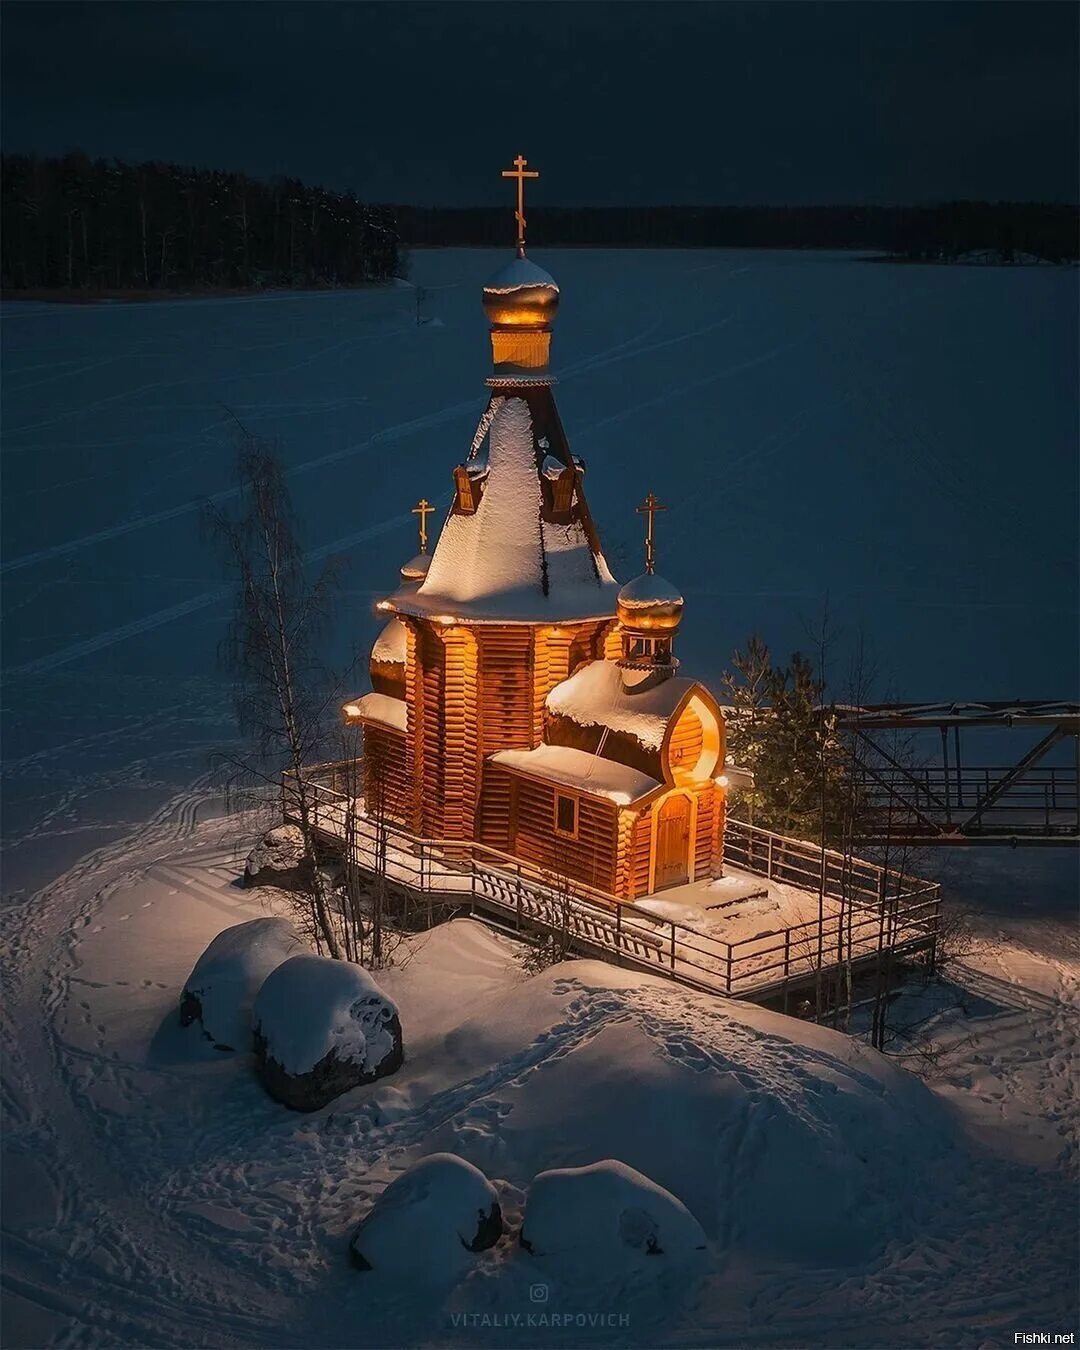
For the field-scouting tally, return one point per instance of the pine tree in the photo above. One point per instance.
(778, 729)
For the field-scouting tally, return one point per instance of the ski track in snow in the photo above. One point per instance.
(189, 1214)
(172, 1214)
(116, 1269)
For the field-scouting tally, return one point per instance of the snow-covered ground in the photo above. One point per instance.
(155, 1195)
(900, 439)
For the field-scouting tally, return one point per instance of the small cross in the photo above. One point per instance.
(520, 172)
(423, 509)
(649, 507)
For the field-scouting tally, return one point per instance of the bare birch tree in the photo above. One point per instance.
(283, 691)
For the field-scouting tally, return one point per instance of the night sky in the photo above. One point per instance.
(616, 103)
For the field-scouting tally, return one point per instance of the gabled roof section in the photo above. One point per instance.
(595, 696)
(515, 558)
(591, 774)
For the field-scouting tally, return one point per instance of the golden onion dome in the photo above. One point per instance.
(521, 295)
(649, 604)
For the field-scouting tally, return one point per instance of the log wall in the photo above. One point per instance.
(387, 780)
(589, 858)
(640, 855)
(414, 708)
(461, 735)
(505, 697)
(685, 746)
(706, 858)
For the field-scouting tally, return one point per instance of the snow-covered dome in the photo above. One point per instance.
(391, 645)
(649, 603)
(416, 569)
(521, 295)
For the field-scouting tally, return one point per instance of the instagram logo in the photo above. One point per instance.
(538, 1293)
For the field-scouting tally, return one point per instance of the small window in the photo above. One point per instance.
(565, 814)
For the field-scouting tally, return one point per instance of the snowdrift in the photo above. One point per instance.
(429, 1223)
(220, 991)
(782, 1138)
(322, 1027)
(607, 1219)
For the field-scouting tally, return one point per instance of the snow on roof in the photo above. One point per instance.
(416, 568)
(503, 562)
(391, 645)
(390, 712)
(648, 590)
(518, 274)
(595, 696)
(577, 769)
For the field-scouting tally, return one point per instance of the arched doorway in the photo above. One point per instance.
(672, 855)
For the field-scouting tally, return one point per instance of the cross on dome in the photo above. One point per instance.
(520, 172)
(423, 509)
(649, 507)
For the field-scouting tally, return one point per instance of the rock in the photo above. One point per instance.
(606, 1219)
(321, 1028)
(278, 860)
(220, 991)
(429, 1221)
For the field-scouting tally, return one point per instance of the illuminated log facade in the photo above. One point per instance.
(519, 698)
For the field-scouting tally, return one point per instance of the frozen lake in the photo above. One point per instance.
(901, 440)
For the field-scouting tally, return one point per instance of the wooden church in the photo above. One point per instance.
(520, 697)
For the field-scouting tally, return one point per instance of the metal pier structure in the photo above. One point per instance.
(925, 783)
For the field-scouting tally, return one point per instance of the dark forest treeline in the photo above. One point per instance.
(77, 223)
(1002, 231)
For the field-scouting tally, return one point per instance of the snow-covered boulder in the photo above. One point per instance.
(430, 1221)
(322, 1027)
(607, 1218)
(278, 860)
(220, 991)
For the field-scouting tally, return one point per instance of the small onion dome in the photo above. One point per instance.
(650, 604)
(416, 569)
(521, 295)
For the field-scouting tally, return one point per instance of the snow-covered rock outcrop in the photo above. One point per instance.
(220, 991)
(607, 1218)
(430, 1221)
(278, 860)
(322, 1027)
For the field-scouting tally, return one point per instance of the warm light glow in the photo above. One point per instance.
(445, 619)
(621, 798)
(384, 605)
(722, 780)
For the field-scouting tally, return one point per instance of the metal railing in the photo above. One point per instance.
(864, 909)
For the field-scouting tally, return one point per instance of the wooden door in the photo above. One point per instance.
(673, 842)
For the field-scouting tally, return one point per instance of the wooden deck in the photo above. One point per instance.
(865, 911)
